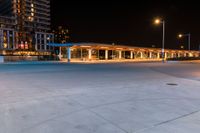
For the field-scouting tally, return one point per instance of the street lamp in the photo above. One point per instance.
(159, 21)
(188, 35)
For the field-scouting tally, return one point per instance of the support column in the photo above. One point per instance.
(120, 54)
(36, 42)
(141, 55)
(8, 38)
(165, 55)
(13, 35)
(190, 55)
(89, 54)
(131, 56)
(45, 42)
(172, 55)
(98, 54)
(68, 54)
(60, 53)
(81, 54)
(150, 55)
(179, 55)
(1, 38)
(112, 56)
(106, 54)
(158, 55)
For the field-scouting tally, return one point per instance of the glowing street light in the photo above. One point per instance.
(188, 35)
(180, 35)
(159, 21)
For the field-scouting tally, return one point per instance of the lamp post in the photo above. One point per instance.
(159, 21)
(188, 35)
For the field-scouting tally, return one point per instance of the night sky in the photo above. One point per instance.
(128, 23)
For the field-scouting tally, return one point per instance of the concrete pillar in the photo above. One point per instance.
(89, 54)
(106, 54)
(179, 54)
(190, 55)
(131, 56)
(150, 55)
(120, 54)
(113, 55)
(60, 53)
(165, 55)
(81, 54)
(141, 55)
(45, 42)
(185, 54)
(68, 54)
(8, 38)
(1, 37)
(13, 34)
(98, 54)
(158, 55)
(172, 55)
(36, 42)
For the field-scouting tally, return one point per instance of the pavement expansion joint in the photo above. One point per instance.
(172, 84)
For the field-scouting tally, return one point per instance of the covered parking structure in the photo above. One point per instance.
(98, 51)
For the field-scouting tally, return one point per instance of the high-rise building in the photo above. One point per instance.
(30, 14)
(30, 19)
(61, 34)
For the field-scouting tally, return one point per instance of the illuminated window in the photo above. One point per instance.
(5, 45)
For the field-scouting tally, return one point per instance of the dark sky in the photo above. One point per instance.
(129, 23)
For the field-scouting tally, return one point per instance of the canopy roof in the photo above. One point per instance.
(60, 44)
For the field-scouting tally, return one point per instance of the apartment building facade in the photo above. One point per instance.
(25, 25)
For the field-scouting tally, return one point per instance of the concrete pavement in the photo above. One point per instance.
(100, 98)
